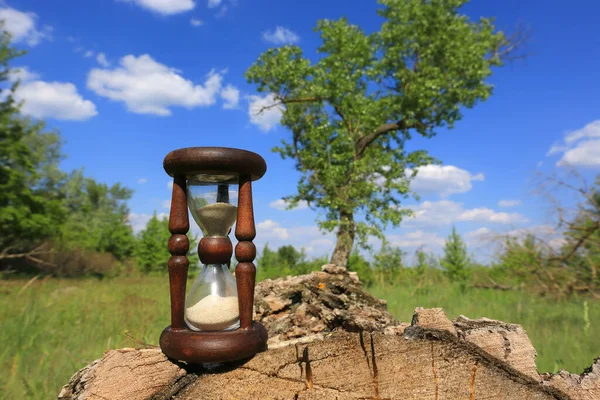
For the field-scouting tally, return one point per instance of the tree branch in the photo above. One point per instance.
(30, 255)
(284, 101)
(506, 49)
(363, 142)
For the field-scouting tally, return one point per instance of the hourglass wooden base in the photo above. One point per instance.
(213, 347)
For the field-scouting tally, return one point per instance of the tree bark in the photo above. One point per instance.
(433, 358)
(345, 240)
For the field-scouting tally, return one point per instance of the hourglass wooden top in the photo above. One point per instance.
(192, 161)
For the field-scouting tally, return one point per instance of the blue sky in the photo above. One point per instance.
(126, 81)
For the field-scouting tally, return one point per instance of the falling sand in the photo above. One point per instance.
(213, 313)
(216, 219)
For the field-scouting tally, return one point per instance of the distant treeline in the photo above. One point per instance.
(526, 263)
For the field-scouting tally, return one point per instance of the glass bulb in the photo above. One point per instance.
(212, 303)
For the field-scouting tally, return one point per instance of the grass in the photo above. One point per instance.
(564, 332)
(53, 327)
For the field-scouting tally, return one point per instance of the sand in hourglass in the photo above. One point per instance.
(216, 219)
(213, 313)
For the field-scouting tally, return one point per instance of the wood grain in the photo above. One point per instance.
(179, 225)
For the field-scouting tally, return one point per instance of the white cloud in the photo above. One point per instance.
(165, 7)
(262, 113)
(547, 234)
(443, 180)
(22, 26)
(580, 147)
(165, 204)
(222, 12)
(148, 87)
(281, 205)
(585, 154)
(479, 234)
(314, 242)
(509, 203)
(214, 3)
(101, 58)
(57, 100)
(557, 148)
(139, 221)
(23, 74)
(196, 22)
(281, 35)
(269, 229)
(141, 181)
(231, 97)
(445, 212)
(415, 239)
(89, 54)
(591, 130)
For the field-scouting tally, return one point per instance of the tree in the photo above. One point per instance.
(267, 263)
(358, 264)
(422, 262)
(581, 250)
(351, 111)
(521, 259)
(455, 261)
(289, 256)
(97, 217)
(151, 250)
(387, 262)
(30, 202)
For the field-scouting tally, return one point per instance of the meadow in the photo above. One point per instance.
(52, 327)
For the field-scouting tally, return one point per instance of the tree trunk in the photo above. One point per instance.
(433, 358)
(345, 240)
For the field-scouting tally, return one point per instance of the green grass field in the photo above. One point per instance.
(52, 327)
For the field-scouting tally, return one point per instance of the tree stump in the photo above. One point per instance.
(344, 356)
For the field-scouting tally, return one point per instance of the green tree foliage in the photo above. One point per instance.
(581, 250)
(285, 261)
(351, 111)
(520, 259)
(30, 202)
(289, 257)
(97, 217)
(388, 262)
(81, 223)
(151, 250)
(360, 265)
(423, 262)
(455, 261)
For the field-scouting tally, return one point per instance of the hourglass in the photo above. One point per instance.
(214, 323)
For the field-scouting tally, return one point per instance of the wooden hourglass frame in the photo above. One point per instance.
(178, 341)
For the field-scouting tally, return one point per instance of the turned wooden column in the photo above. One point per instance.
(179, 244)
(245, 251)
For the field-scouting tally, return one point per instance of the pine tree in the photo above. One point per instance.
(455, 261)
(422, 263)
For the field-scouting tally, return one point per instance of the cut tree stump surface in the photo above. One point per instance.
(433, 358)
